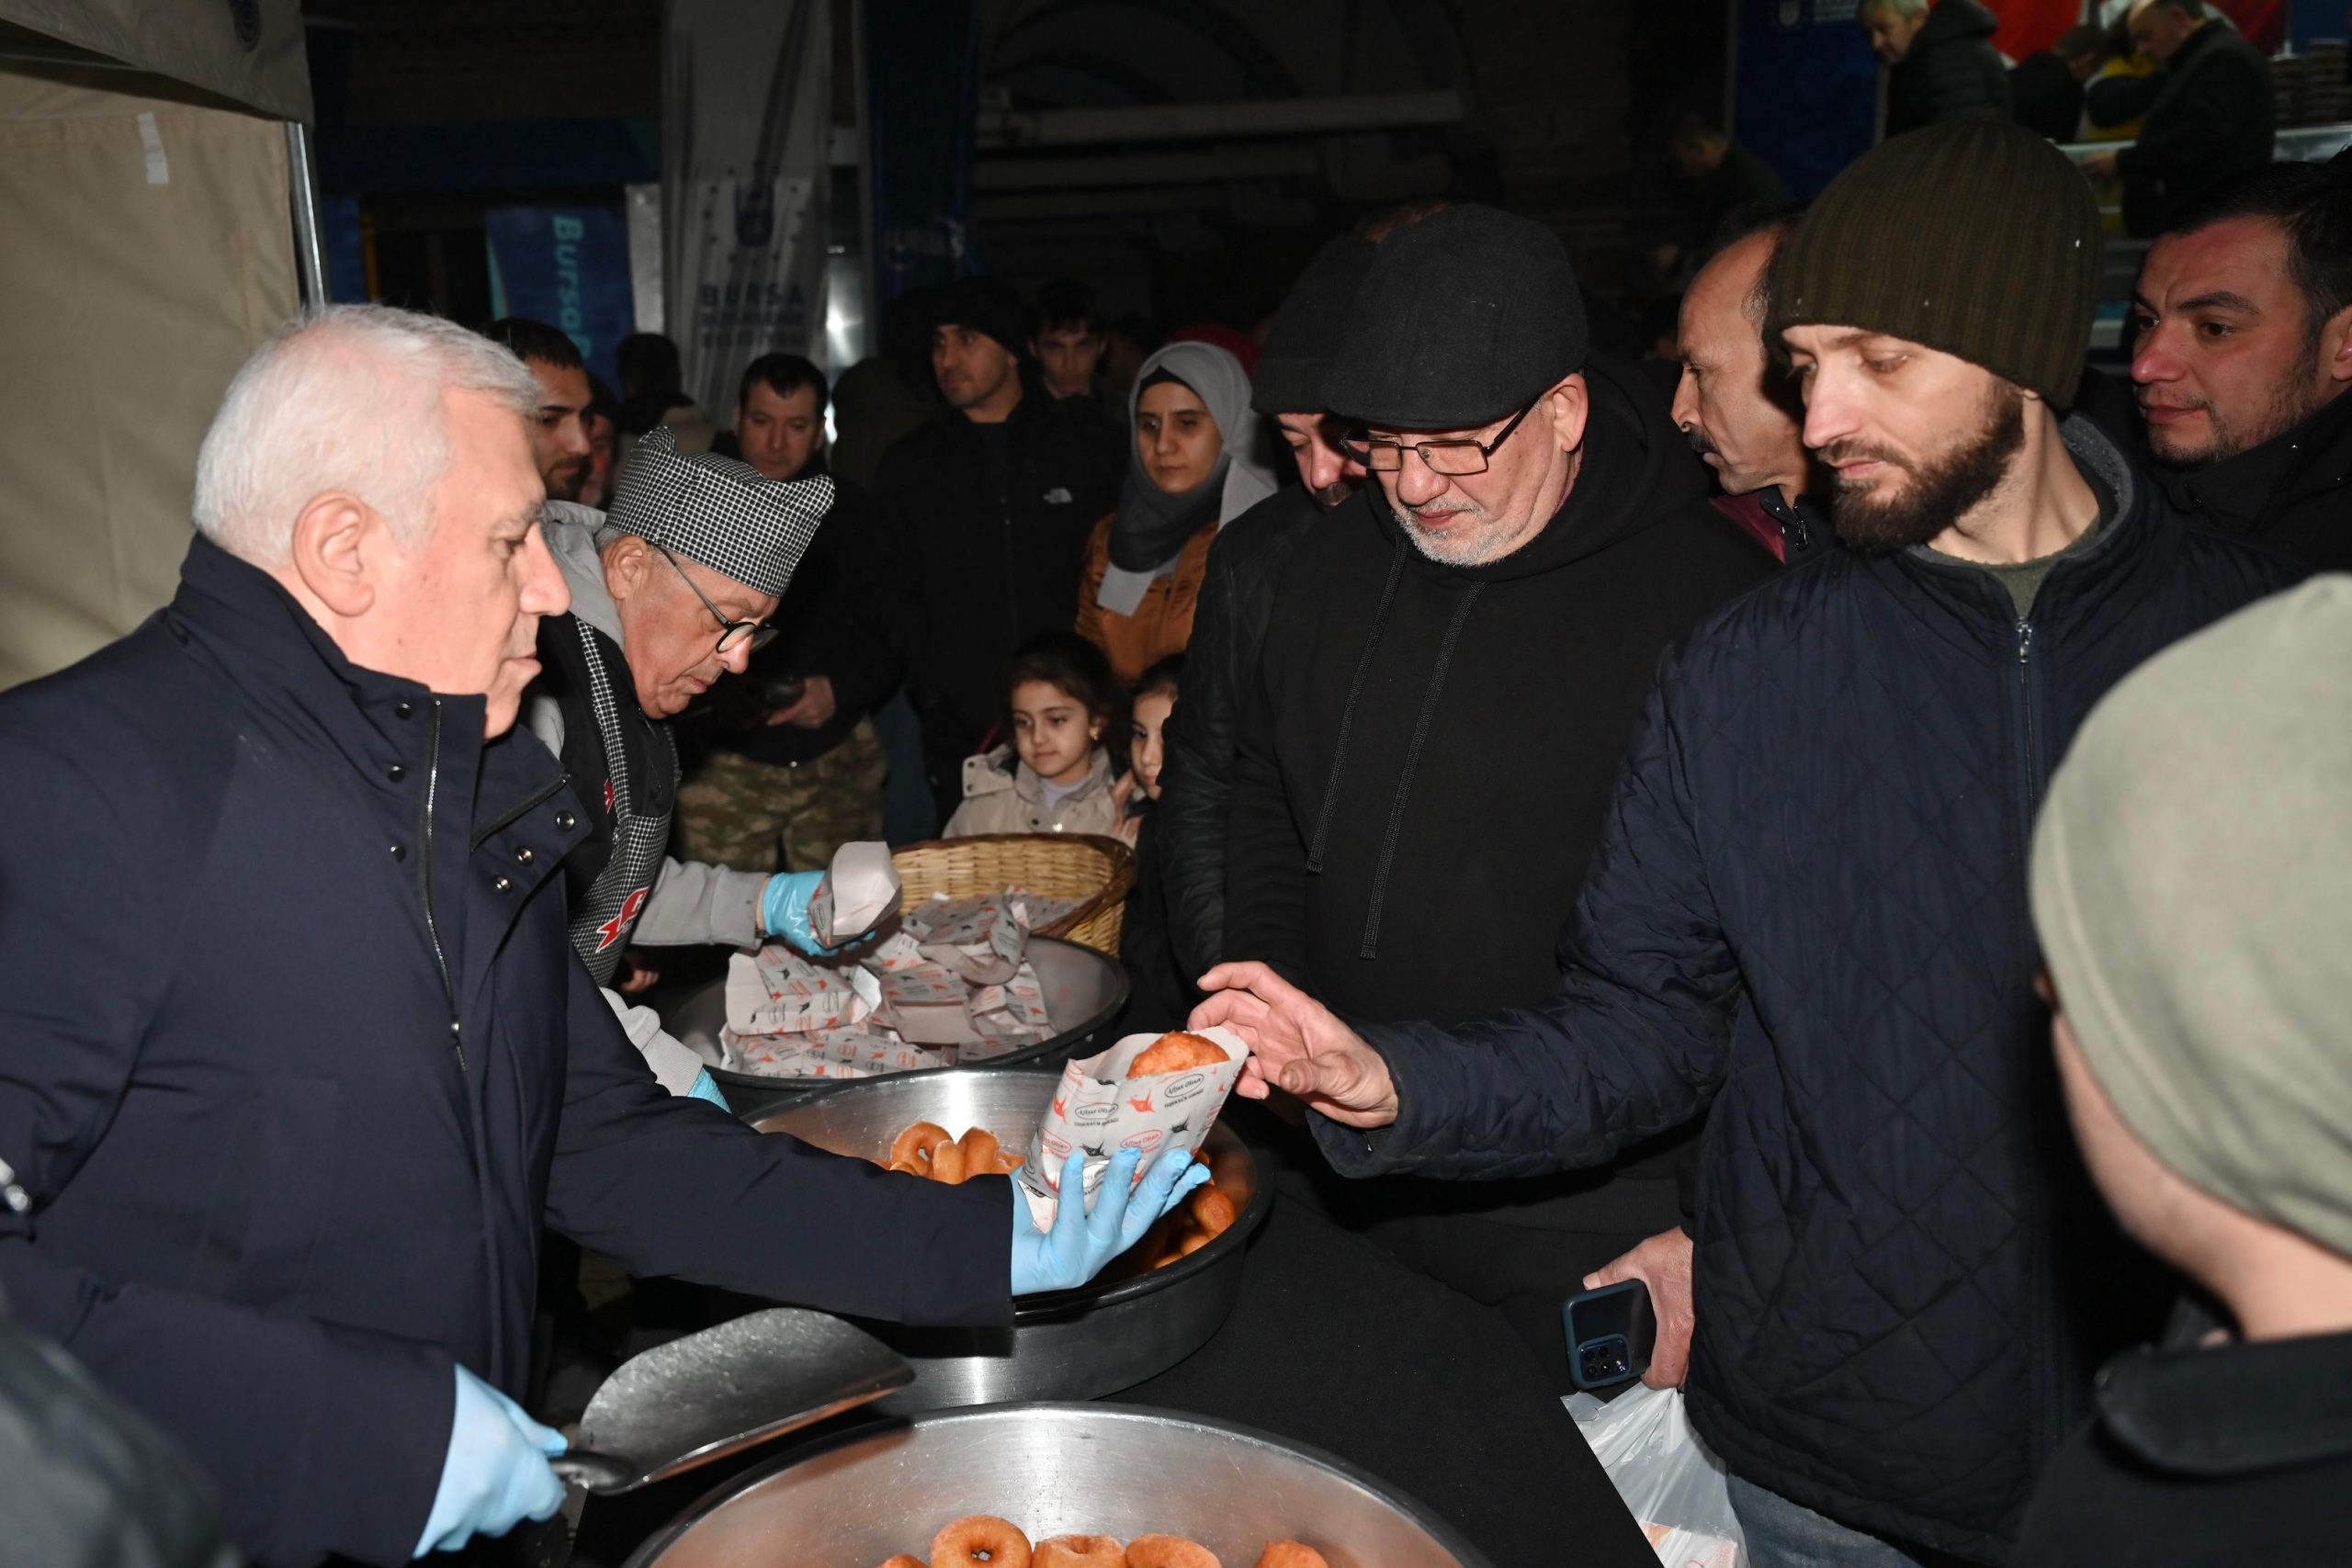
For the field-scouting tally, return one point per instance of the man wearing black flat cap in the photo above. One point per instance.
(982, 514)
(1446, 687)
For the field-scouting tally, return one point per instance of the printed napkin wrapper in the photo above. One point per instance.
(861, 889)
(776, 991)
(1097, 1110)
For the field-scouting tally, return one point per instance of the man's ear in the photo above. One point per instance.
(2335, 347)
(337, 552)
(627, 562)
(1568, 406)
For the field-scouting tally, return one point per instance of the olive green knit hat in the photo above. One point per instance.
(1975, 237)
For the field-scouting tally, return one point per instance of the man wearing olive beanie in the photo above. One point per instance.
(1807, 915)
(2188, 881)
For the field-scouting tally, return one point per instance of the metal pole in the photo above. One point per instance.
(310, 243)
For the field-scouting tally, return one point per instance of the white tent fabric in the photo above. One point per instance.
(248, 52)
(151, 249)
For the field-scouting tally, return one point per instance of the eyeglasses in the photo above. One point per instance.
(1451, 458)
(732, 635)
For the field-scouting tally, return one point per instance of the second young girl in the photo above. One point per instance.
(1056, 777)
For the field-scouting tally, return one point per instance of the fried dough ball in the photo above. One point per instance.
(1291, 1554)
(1169, 1552)
(1176, 1053)
(980, 1540)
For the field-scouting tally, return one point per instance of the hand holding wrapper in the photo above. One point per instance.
(1098, 1111)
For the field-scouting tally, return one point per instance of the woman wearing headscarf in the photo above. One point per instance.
(1193, 469)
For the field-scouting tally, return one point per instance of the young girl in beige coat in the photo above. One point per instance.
(1060, 703)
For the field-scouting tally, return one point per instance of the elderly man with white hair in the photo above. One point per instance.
(295, 1055)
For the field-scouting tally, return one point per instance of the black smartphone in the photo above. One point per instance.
(1611, 1332)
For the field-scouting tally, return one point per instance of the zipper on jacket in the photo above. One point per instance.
(425, 872)
(515, 813)
(2048, 1402)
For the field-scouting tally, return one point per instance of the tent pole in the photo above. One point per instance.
(310, 242)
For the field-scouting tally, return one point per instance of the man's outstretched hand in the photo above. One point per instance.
(1296, 1045)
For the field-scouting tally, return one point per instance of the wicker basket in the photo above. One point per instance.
(1061, 865)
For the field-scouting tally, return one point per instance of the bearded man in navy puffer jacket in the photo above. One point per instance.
(1808, 909)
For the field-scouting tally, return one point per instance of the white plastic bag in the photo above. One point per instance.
(1672, 1485)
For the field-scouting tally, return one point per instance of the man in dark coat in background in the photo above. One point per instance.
(981, 521)
(2212, 115)
(1454, 659)
(1940, 62)
(1238, 597)
(1807, 914)
(276, 1161)
(2242, 353)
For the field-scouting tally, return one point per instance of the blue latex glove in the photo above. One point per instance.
(495, 1475)
(1075, 1250)
(784, 909)
(707, 1088)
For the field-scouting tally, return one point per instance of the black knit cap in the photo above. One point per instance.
(1463, 318)
(1975, 237)
(988, 305)
(1305, 337)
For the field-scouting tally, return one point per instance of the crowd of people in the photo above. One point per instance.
(1640, 837)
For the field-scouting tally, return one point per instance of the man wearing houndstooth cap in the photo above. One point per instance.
(671, 590)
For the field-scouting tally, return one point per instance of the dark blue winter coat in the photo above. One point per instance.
(295, 1059)
(1808, 910)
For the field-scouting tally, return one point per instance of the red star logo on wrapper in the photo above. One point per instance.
(1142, 1106)
(1061, 1108)
(610, 931)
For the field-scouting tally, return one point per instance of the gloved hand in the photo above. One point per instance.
(707, 1088)
(784, 909)
(495, 1475)
(1075, 1250)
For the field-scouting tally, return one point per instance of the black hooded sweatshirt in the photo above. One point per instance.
(1422, 774)
(1423, 770)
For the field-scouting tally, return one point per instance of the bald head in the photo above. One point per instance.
(1737, 408)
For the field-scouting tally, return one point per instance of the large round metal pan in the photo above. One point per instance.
(852, 1501)
(1084, 991)
(1129, 1324)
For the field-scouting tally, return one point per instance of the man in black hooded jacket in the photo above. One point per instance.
(1453, 666)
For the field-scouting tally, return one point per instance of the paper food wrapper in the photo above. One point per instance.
(826, 1054)
(861, 890)
(981, 939)
(776, 991)
(1098, 1110)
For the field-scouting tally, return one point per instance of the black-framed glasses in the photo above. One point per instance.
(732, 635)
(1451, 458)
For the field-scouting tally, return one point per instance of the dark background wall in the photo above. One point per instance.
(431, 110)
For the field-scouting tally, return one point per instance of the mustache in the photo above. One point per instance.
(1847, 450)
(1699, 444)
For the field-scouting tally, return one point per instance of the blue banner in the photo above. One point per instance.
(1808, 99)
(922, 81)
(567, 266)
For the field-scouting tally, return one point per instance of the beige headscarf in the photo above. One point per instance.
(2192, 881)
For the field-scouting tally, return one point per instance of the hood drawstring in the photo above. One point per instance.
(1371, 948)
(1348, 714)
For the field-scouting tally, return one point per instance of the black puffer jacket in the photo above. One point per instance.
(1809, 912)
(1951, 69)
(1220, 667)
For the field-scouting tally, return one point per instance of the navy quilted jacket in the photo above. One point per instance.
(1808, 909)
